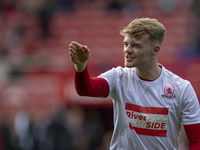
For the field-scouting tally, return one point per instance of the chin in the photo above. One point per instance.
(129, 65)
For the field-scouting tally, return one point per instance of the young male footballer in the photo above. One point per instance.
(150, 103)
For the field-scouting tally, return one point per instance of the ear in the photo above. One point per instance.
(156, 50)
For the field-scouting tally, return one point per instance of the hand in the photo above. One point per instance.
(79, 55)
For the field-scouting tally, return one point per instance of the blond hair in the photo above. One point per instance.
(152, 27)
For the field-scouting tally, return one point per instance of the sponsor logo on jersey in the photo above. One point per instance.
(168, 92)
(150, 121)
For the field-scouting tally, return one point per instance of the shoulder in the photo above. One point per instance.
(119, 73)
(123, 70)
(172, 77)
(182, 89)
(180, 85)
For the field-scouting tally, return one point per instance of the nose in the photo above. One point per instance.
(127, 49)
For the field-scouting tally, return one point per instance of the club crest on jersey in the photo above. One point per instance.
(168, 92)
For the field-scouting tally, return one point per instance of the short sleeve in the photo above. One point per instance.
(110, 77)
(114, 79)
(190, 106)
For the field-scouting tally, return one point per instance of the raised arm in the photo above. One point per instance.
(84, 84)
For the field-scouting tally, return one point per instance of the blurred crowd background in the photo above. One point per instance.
(39, 108)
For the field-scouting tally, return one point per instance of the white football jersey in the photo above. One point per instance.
(149, 114)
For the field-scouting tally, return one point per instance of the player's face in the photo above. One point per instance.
(137, 52)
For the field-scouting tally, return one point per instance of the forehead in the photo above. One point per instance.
(141, 39)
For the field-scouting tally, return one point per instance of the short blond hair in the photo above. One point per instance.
(152, 27)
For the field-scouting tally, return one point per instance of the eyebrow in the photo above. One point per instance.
(136, 44)
(133, 44)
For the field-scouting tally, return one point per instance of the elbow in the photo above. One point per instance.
(85, 93)
(82, 93)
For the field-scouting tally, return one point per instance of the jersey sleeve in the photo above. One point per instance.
(193, 134)
(87, 86)
(112, 78)
(190, 106)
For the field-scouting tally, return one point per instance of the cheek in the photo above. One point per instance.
(147, 57)
(144, 56)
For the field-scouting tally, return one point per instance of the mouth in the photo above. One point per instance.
(129, 58)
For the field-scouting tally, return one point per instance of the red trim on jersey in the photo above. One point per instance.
(147, 110)
(87, 86)
(147, 79)
(193, 134)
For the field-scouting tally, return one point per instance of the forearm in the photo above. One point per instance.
(87, 86)
(193, 134)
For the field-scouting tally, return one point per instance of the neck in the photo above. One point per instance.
(149, 73)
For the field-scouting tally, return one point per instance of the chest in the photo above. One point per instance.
(150, 107)
(155, 95)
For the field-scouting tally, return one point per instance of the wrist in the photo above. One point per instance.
(80, 68)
